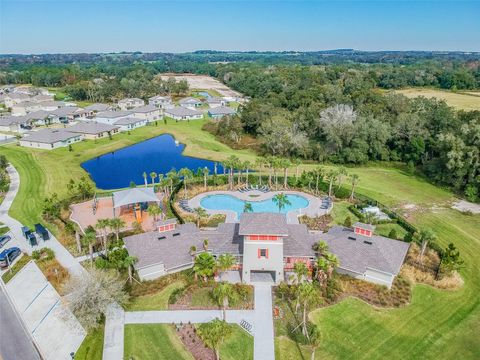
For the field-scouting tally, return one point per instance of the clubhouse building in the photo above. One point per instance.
(266, 248)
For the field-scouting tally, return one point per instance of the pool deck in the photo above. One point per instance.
(313, 209)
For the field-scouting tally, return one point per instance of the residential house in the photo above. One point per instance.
(130, 123)
(111, 117)
(148, 112)
(219, 112)
(42, 98)
(183, 113)
(67, 114)
(25, 107)
(215, 101)
(49, 139)
(12, 99)
(130, 103)
(38, 118)
(190, 102)
(12, 123)
(266, 248)
(98, 107)
(161, 102)
(93, 130)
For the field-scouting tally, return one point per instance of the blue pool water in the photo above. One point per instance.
(160, 154)
(228, 202)
(204, 94)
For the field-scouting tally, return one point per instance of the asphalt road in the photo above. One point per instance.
(14, 340)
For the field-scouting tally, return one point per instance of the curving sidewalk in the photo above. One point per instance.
(313, 209)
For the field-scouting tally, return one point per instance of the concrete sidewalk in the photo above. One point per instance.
(114, 333)
(263, 344)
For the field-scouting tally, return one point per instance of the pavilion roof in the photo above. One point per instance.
(133, 196)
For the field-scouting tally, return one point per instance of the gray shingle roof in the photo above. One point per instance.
(263, 223)
(145, 109)
(113, 114)
(221, 110)
(181, 111)
(376, 252)
(98, 107)
(92, 128)
(67, 110)
(128, 120)
(189, 101)
(37, 115)
(12, 120)
(50, 136)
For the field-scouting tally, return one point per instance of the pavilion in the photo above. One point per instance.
(134, 198)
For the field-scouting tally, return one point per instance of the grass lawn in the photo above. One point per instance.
(384, 230)
(153, 342)
(340, 212)
(438, 324)
(458, 100)
(24, 259)
(239, 345)
(92, 346)
(157, 301)
(4, 230)
(203, 297)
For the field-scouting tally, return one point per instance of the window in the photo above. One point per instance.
(262, 253)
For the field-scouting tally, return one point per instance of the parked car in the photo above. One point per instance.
(42, 232)
(4, 239)
(25, 231)
(8, 255)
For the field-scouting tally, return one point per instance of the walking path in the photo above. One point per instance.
(114, 333)
(264, 344)
(313, 209)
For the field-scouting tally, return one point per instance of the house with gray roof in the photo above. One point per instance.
(183, 113)
(12, 99)
(215, 101)
(111, 116)
(94, 130)
(98, 107)
(130, 123)
(266, 248)
(190, 102)
(130, 103)
(148, 112)
(66, 114)
(220, 111)
(161, 102)
(12, 123)
(49, 139)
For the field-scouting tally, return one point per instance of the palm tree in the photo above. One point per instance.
(426, 236)
(206, 171)
(116, 224)
(214, 333)
(89, 239)
(247, 207)
(153, 176)
(331, 176)
(307, 294)
(172, 176)
(313, 340)
(246, 166)
(342, 172)
(154, 210)
(204, 265)
(332, 263)
(297, 162)
(301, 271)
(318, 174)
(145, 178)
(225, 262)
(103, 225)
(259, 163)
(205, 244)
(186, 173)
(355, 179)
(193, 250)
(276, 165)
(281, 200)
(224, 293)
(201, 213)
(285, 164)
(231, 163)
(320, 248)
(128, 263)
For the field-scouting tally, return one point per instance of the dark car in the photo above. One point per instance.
(32, 239)
(4, 239)
(8, 255)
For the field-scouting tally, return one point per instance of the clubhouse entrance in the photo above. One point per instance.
(257, 276)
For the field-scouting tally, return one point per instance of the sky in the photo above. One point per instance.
(64, 26)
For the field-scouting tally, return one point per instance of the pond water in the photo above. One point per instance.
(160, 154)
(204, 94)
(229, 202)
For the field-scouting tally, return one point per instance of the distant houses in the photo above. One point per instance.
(183, 113)
(130, 103)
(161, 102)
(110, 117)
(190, 102)
(93, 130)
(130, 123)
(147, 112)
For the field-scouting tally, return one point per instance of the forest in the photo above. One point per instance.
(338, 111)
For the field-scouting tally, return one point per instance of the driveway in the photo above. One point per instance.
(264, 345)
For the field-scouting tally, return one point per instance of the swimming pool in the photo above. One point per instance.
(232, 203)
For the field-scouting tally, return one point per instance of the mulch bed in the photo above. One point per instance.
(185, 302)
(188, 336)
(317, 223)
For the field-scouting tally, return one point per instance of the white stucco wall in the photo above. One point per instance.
(251, 261)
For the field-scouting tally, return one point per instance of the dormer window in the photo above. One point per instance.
(363, 229)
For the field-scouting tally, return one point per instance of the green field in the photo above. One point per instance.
(92, 346)
(157, 301)
(160, 342)
(458, 100)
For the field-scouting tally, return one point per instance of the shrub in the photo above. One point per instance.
(393, 234)
(348, 222)
(44, 254)
(175, 295)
